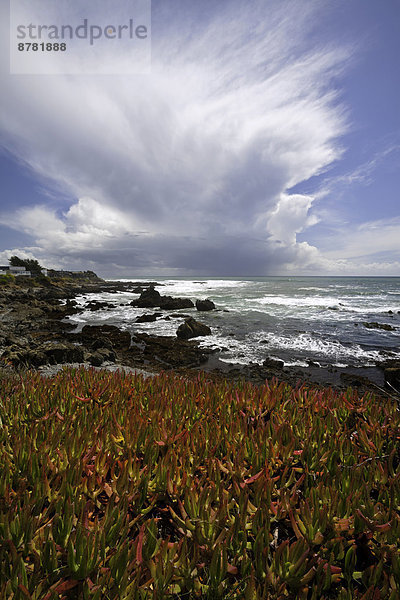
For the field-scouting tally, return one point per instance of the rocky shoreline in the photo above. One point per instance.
(35, 333)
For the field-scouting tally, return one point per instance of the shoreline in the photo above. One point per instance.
(35, 333)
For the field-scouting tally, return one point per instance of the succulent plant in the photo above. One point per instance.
(113, 486)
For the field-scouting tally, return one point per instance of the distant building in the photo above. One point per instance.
(16, 271)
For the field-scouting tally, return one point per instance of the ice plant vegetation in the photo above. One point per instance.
(117, 487)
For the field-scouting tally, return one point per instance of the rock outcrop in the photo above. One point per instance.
(103, 336)
(147, 318)
(165, 352)
(374, 325)
(205, 305)
(151, 298)
(392, 377)
(273, 363)
(192, 328)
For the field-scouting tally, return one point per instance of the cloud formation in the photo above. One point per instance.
(188, 169)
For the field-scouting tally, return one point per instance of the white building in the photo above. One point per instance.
(16, 271)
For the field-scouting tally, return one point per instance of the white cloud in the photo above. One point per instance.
(290, 217)
(368, 239)
(187, 168)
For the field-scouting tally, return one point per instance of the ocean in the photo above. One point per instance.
(295, 319)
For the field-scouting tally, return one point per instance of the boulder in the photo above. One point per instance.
(101, 343)
(149, 298)
(203, 305)
(166, 351)
(23, 357)
(392, 377)
(273, 363)
(375, 325)
(146, 318)
(94, 305)
(95, 359)
(63, 353)
(192, 328)
(119, 339)
(169, 303)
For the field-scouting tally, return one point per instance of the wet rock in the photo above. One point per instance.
(98, 354)
(354, 380)
(192, 328)
(169, 303)
(205, 305)
(94, 305)
(49, 353)
(166, 351)
(101, 343)
(23, 357)
(147, 318)
(118, 338)
(151, 298)
(392, 377)
(374, 325)
(312, 363)
(273, 363)
(57, 353)
(95, 360)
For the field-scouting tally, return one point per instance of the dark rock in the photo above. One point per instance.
(107, 354)
(63, 353)
(104, 347)
(95, 360)
(392, 377)
(169, 303)
(205, 305)
(165, 351)
(312, 363)
(101, 343)
(374, 325)
(147, 318)
(59, 326)
(119, 339)
(273, 363)
(61, 312)
(94, 305)
(191, 328)
(23, 357)
(149, 298)
(354, 380)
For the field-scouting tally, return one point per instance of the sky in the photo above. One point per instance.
(265, 140)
